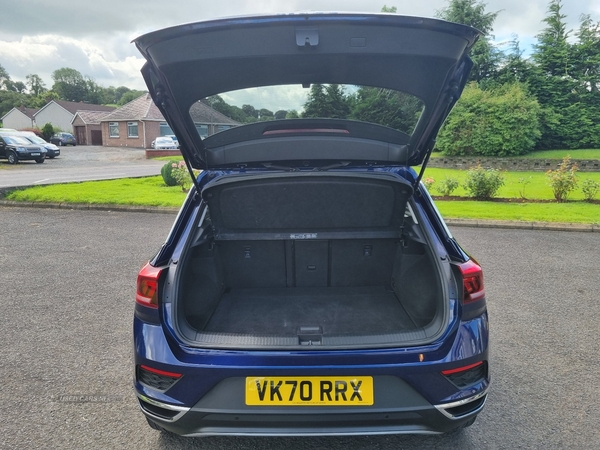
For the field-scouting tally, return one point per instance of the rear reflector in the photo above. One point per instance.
(164, 373)
(160, 380)
(465, 376)
(459, 369)
(472, 281)
(147, 286)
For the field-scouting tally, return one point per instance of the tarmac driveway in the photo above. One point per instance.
(80, 163)
(68, 284)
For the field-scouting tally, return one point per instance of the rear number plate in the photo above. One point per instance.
(310, 391)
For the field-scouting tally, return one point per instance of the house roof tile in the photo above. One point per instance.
(91, 117)
(141, 108)
(29, 112)
(202, 113)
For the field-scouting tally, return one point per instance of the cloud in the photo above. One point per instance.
(95, 38)
(44, 54)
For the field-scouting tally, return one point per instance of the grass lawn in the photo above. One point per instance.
(538, 187)
(151, 191)
(147, 191)
(168, 158)
(571, 212)
(551, 154)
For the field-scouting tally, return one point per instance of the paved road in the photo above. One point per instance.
(80, 163)
(67, 282)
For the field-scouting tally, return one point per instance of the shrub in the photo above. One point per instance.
(48, 131)
(523, 182)
(563, 179)
(428, 182)
(447, 186)
(590, 188)
(37, 131)
(167, 173)
(180, 172)
(504, 121)
(483, 183)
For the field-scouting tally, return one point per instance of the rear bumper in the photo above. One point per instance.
(409, 397)
(30, 156)
(202, 421)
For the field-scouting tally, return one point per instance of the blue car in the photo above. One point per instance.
(63, 138)
(309, 285)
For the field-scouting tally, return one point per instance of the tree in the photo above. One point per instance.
(386, 107)
(4, 77)
(250, 111)
(315, 102)
(35, 84)
(484, 55)
(327, 101)
(281, 114)
(585, 56)
(553, 50)
(234, 112)
(11, 99)
(585, 70)
(129, 96)
(391, 9)
(502, 121)
(94, 92)
(513, 67)
(265, 114)
(69, 84)
(550, 80)
(15, 86)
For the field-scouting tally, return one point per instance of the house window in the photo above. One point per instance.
(223, 128)
(113, 129)
(132, 129)
(165, 129)
(202, 130)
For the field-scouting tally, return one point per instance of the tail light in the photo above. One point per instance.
(472, 276)
(147, 286)
(473, 294)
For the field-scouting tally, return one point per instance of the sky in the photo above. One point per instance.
(94, 37)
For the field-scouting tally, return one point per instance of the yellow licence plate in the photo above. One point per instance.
(310, 391)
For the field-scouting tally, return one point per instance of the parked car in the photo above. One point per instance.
(175, 140)
(309, 285)
(63, 138)
(52, 151)
(163, 143)
(16, 148)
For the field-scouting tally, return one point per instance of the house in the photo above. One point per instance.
(139, 122)
(61, 113)
(209, 121)
(87, 127)
(19, 118)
